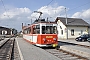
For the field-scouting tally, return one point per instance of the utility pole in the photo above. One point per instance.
(31, 21)
(66, 24)
(66, 16)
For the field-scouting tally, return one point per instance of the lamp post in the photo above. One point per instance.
(66, 24)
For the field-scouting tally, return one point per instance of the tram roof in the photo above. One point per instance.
(42, 21)
(39, 21)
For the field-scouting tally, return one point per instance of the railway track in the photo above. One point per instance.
(1, 38)
(67, 55)
(64, 55)
(6, 49)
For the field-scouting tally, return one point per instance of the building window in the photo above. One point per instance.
(60, 27)
(72, 32)
(81, 31)
(62, 32)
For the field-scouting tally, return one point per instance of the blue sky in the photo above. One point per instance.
(36, 4)
(16, 12)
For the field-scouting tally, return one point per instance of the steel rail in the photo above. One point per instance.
(6, 50)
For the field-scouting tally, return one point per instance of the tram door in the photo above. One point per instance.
(36, 31)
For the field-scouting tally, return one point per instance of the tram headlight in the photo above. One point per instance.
(54, 39)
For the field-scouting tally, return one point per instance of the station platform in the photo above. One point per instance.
(28, 51)
(75, 42)
(82, 51)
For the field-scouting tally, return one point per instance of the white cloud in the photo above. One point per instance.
(13, 18)
(16, 16)
(49, 11)
(15, 12)
(85, 14)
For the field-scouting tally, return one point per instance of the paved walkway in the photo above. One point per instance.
(75, 42)
(31, 52)
(82, 51)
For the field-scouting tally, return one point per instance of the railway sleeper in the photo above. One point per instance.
(74, 55)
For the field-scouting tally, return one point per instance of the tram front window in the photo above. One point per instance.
(48, 29)
(54, 29)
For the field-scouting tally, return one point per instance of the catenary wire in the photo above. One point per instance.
(4, 8)
(77, 7)
(47, 5)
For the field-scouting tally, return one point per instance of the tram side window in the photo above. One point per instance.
(27, 31)
(24, 31)
(36, 29)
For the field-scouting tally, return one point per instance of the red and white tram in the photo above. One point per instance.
(41, 33)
